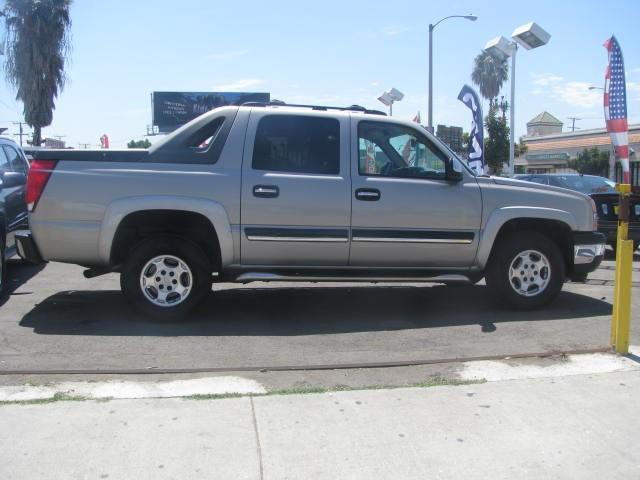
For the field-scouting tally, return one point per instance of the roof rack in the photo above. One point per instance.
(280, 103)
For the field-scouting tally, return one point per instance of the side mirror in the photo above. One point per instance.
(13, 179)
(454, 172)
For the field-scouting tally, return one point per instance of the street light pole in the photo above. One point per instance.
(430, 115)
(512, 146)
(471, 18)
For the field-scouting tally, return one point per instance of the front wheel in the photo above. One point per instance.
(166, 277)
(526, 269)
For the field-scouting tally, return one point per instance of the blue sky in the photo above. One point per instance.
(329, 52)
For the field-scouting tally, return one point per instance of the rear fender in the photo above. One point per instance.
(119, 209)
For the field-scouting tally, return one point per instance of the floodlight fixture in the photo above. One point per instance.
(500, 48)
(396, 95)
(531, 35)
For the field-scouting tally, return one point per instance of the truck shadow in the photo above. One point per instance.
(300, 311)
(18, 273)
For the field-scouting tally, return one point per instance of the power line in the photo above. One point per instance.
(573, 123)
(21, 134)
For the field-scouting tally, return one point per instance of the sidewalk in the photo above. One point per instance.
(572, 426)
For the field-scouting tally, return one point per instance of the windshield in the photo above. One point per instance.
(583, 183)
(453, 154)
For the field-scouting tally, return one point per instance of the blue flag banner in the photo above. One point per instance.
(470, 98)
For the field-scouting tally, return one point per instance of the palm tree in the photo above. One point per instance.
(37, 43)
(489, 74)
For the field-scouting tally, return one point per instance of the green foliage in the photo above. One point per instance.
(520, 148)
(139, 143)
(591, 162)
(466, 138)
(496, 145)
(489, 74)
(38, 43)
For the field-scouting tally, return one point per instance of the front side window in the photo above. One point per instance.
(15, 159)
(396, 151)
(297, 144)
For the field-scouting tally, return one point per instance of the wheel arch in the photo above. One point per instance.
(203, 219)
(557, 224)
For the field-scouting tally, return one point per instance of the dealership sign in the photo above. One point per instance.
(173, 109)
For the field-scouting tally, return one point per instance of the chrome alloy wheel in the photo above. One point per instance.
(166, 281)
(529, 273)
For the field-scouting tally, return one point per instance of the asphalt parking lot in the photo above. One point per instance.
(55, 319)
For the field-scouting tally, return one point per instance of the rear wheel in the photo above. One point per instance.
(526, 270)
(166, 277)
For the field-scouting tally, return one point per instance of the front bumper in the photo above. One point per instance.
(26, 247)
(588, 251)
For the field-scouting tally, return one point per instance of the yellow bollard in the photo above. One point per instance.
(621, 316)
(623, 232)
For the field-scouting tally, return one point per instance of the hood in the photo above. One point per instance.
(512, 182)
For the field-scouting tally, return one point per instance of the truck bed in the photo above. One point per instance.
(129, 155)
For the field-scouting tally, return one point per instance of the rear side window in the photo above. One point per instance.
(297, 144)
(205, 136)
(18, 164)
(4, 162)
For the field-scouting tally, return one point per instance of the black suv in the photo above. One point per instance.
(604, 194)
(13, 207)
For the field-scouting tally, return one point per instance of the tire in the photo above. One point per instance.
(161, 265)
(514, 286)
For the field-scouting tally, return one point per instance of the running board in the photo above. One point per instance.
(276, 277)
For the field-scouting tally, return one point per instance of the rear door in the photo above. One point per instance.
(405, 213)
(12, 199)
(295, 208)
(17, 200)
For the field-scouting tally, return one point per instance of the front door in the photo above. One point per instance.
(295, 207)
(405, 212)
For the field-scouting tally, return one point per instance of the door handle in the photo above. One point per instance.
(368, 194)
(266, 191)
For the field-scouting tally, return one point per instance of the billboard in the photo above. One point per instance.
(173, 109)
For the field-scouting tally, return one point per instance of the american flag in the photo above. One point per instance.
(615, 105)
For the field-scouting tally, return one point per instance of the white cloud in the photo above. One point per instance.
(577, 94)
(374, 84)
(636, 70)
(230, 55)
(240, 84)
(393, 30)
(545, 79)
(633, 87)
(571, 92)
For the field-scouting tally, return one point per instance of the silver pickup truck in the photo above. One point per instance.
(274, 192)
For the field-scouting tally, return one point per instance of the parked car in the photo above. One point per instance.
(603, 192)
(270, 192)
(13, 209)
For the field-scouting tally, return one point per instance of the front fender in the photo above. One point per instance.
(502, 215)
(118, 209)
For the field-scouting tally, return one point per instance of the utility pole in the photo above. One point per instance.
(573, 123)
(21, 134)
